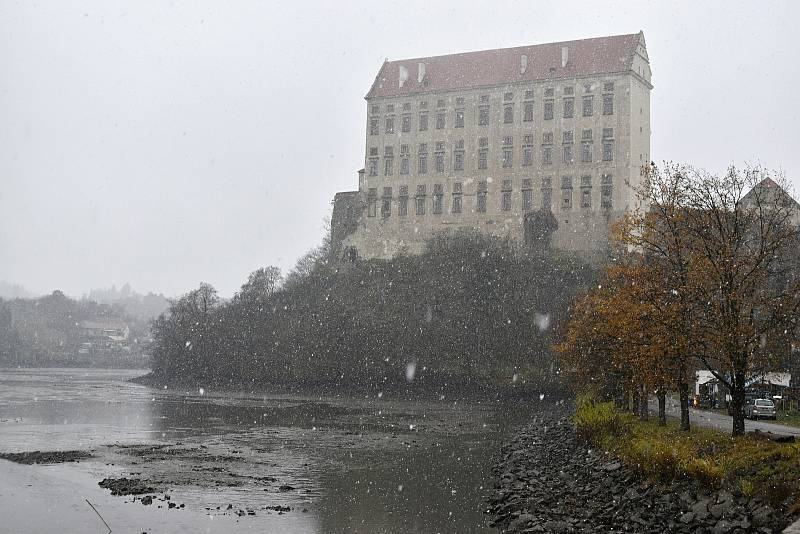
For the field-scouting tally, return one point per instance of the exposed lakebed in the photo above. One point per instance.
(188, 461)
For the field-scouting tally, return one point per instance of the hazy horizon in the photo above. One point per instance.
(164, 145)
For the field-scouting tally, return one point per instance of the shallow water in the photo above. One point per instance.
(354, 465)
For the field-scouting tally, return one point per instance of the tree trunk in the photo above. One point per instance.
(633, 401)
(644, 413)
(683, 395)
(662, 407)
(737, 403)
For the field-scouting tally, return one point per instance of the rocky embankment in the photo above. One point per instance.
(549, 480)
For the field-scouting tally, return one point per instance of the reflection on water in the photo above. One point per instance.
(353, 465)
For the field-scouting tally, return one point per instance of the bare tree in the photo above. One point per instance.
(744, 233)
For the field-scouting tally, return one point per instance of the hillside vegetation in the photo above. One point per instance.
(470, 313)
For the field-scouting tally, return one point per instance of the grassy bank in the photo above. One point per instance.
(791, 418)
(746, 465)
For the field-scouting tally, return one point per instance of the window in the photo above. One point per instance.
(567, 154)
(386, 202)
(440, 103)
(438, 196)
(527, 112)
(439, 157)
(569, 108)
(407, 106)
(529, 95)
(505, 197)
(420, 199)
(457, 190)
(460, 101)
(404, 159)
(389, 124)
(547, 155)
(569, 90)
(390, 108)
(483, 116)
(460, 117)
(507, 97)
(372, 202)
(483, 153)
(608, 150)
(422, 164)
(567, 140)
(508, 152)
(388, 161)
(608, 104)
(376, 110)
(484, 99)
(458, 156)
(423, 121)
(566, 192)
(586, 135)
(587, 88)
(374, 129)
(608, 133)
(527, 194)
(586, 191)
(548, 110)
(547, 190)
(588, 106)
(440, 120)
(405, 123)
(608, 86)
(423, 104)
(527, 150)
(549, 92)
(586, 152)
(547, 138)
(402, 204)
(373, 161)
(508, 114)
(480, 206)
(606, 190)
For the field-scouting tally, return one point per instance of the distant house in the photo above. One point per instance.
(104, 337)
(110, 330)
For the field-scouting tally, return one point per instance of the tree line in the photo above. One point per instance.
(47, 331)
(471, 312)
(707, 277)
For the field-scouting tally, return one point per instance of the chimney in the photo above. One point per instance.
(523, 64)
(403, 77)
(420, 72)
(564, 56)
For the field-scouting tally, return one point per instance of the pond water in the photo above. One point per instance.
(378, 464)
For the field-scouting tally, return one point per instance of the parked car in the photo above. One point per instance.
(759, 409)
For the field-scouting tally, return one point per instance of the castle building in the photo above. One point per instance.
(512, 142)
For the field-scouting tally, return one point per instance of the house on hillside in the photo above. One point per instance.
(104, 337)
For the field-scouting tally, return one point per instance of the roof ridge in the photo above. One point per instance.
(499, 66)
(508, 48)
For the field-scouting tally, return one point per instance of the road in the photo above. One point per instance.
(724, 422)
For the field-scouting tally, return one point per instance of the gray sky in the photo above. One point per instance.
(168, 143)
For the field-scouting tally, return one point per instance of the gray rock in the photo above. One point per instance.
(722, 527)
(700, 509)
(522, 521)
(557, 526)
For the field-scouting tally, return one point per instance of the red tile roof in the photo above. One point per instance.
(587, 57)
